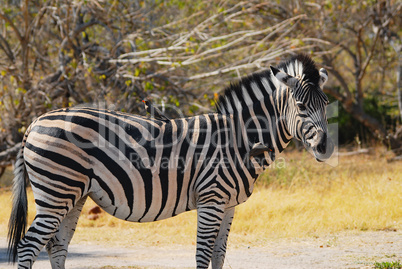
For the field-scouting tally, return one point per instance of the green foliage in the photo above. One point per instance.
(376, 106)
(388, 265)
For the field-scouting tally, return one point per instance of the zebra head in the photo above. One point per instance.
(305, 114)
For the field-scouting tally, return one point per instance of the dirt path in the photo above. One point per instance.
(337, 251)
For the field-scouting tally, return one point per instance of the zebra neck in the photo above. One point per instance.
(281, 99)
(261, 124)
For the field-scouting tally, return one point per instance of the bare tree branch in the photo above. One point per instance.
(10, 22)
(10, 153)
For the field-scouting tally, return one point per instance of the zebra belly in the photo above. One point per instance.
(141, 191)
(119, 207)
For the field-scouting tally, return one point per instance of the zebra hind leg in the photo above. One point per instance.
(218, 255)
(209, 219)
(42, 229)
(57, 247)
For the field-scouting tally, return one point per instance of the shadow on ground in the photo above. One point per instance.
(44, 257)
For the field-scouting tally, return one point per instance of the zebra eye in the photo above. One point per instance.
(301, 106)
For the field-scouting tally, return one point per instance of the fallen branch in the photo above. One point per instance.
(357, 152)
(395, 159)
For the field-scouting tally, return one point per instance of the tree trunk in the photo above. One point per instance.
(399, 83)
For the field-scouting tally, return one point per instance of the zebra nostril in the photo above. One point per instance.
(322, 144)
(321, 148)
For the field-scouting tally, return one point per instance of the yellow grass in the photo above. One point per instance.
(297, 198)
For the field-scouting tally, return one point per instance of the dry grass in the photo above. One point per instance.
(302, 199)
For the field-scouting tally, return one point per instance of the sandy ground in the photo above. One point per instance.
(345, 250)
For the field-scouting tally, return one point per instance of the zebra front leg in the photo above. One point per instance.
(57, 247)
(209, 219)
(218, 255)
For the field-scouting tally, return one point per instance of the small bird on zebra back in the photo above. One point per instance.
(146, 169)
(154, 111)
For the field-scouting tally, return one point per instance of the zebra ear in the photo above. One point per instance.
(284, 78)
(323, 77)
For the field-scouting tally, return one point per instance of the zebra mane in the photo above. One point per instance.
(257, 86)
(301, 65)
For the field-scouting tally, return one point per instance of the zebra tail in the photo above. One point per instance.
(18, 218)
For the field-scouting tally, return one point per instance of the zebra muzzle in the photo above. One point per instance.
(324, 147)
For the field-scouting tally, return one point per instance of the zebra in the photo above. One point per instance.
(142, 169)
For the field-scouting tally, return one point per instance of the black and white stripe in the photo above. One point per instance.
(144, 169)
